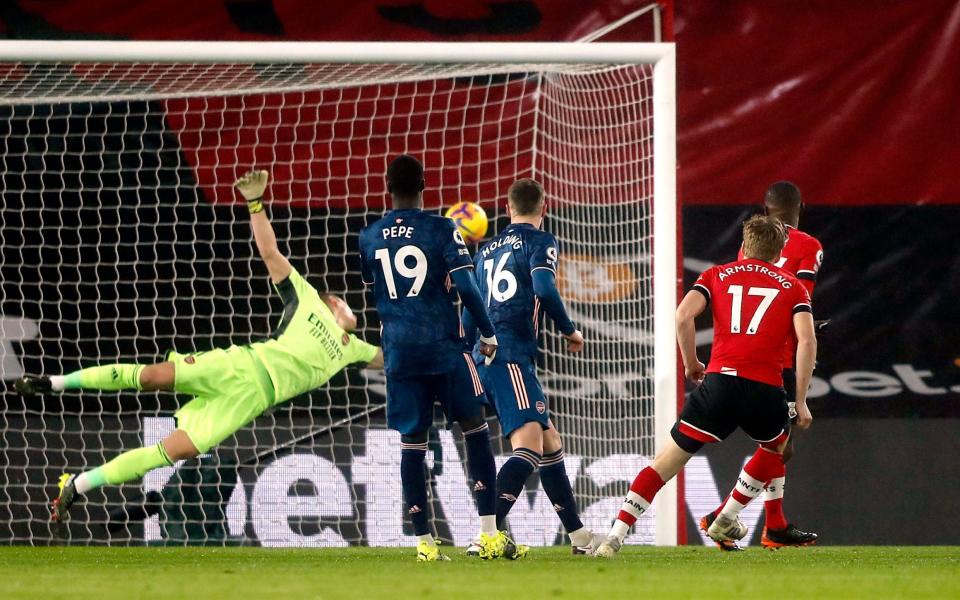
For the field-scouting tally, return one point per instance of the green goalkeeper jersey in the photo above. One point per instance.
(308, 347)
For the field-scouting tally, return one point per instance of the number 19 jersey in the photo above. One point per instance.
(753, 306)
(408, 256)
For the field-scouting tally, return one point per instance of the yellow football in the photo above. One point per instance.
(471, 219)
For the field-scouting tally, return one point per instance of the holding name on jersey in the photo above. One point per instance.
(516, 274)
(471, 220)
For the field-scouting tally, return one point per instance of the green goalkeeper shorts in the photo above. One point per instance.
(230, 387)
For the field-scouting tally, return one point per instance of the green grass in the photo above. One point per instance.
(360, 573)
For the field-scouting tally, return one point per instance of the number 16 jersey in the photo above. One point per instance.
(753, 306)
(408, 256)
(504, 271)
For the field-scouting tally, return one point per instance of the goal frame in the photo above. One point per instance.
(669, 516)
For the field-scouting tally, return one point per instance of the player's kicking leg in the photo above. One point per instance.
(686, 440)
(727, 527)
(644, 488)
(766, 462)
(777, 531)
(709, 415)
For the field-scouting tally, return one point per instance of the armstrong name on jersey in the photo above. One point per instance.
(780, 278)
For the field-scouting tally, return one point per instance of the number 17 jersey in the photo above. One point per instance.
(408, 256)
(753, 306)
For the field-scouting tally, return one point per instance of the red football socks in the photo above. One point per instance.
(644, 487)
(761, 468)
(773, 500)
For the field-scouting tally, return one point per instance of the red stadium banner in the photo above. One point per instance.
(331, 148)
(395, 20)
(854, 101)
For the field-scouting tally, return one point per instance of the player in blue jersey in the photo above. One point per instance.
(516, 272)
(417, 263)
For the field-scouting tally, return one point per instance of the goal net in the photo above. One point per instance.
(122, 238)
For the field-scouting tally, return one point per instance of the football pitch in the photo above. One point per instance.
(689, 572)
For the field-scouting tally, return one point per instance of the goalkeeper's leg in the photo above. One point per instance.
(236, 393)
(132, 464)
(128, 466)
(114, 377)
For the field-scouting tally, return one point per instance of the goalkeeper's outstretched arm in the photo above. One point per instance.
(252, 186)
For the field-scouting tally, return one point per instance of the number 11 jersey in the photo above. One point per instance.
(408, 256)
(753, 306)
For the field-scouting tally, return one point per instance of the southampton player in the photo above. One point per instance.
(414, 259)
(516, 272)
(232, 386)
(756, 308)
(801, 257)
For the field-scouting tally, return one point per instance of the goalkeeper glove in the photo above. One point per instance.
(252, 186)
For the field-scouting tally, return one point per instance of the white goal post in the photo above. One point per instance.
(119, 239)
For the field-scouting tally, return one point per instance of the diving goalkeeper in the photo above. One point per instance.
(232, 386)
